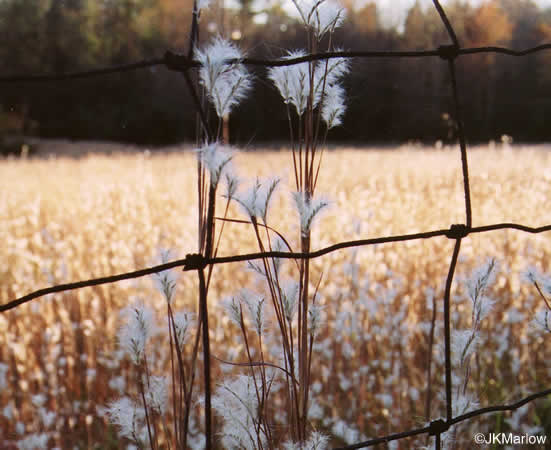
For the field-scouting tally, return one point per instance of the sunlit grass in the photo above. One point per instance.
(70, 219)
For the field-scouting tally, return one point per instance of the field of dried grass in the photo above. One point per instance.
(66, 219)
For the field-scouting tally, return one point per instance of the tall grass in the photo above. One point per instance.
(68, 219)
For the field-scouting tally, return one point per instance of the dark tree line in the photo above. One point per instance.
(388, 100)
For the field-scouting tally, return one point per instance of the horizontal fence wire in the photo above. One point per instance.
(197, 261)
(181, 63)
(450, 52)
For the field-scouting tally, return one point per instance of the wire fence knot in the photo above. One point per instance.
(438, 427)
(176, 62)
(448, 52)
(458, 231)
(194, 261)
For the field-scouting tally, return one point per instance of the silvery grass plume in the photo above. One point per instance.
(316, 441)
(293, 82)
(542, 320)
(256, 201)
(156, 395)
(464, 341)
(278, 245)
(129, 416)
(202, 4)
(477, 285)
(255, 305)
(34, 441)
(226, 83)
(135, 333)
(464, 344)
(165, 281)
(322, 16)
(250, 200)
(542, 283)
(333, 106)
(3, 379)
(233, 307)
(462, 402)
(216, 158)
(236, 402)
(308, 208)
(184, 321)
(289, 298)
(232, 184)
(315, 319)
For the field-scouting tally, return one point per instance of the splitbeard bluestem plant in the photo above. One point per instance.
(463, 348)
(161, 409)
(314, 89)
(271, 400)
(464, 345)
(542, 283)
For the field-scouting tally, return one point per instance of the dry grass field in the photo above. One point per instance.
(64, 219)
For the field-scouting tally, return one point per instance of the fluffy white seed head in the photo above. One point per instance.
(156, 396)
(183, 323)
(232, 184)
(481, 309)
(328, 16)
(3, 378)
(134, 334)
(308, 208)
(227, 83)
(235, 401)
(250, 200)
(257, 199)
(463, 345)
(128, 416)
(338, 68)
(293, 82)
(322, 16)
(215, 158)
(234, 310)
(462, 403)
(477, 285)
(542, 320)
(165, 282)
(257, 268)
(278, 245)
(316, 441)
(289, 297)
(34, 441)
(531, 275)
(480, 279)
(255, 305)
(535, 277)
(333, 106)
(315, 319)
(268, 188)
(202, 4)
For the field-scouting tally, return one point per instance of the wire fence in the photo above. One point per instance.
(457, 232)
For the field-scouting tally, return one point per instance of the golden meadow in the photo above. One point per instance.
(65, 219)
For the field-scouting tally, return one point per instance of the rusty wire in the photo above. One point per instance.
(457, 232)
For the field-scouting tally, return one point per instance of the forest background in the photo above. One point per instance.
(389, 100)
